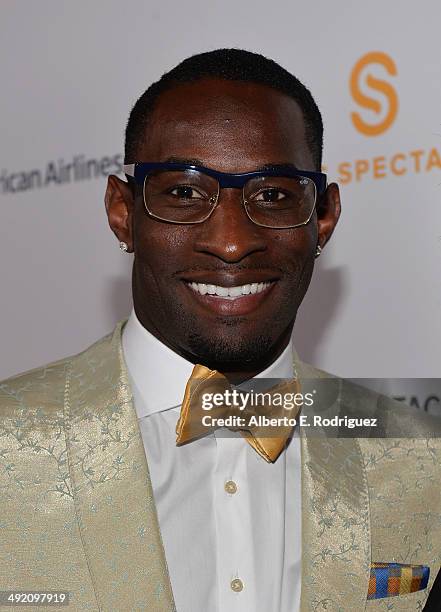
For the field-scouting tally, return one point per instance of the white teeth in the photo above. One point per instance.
(229, 292)
(234, 291)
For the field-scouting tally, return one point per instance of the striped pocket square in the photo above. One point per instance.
(392, 579)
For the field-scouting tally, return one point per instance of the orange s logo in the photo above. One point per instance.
(369, 129)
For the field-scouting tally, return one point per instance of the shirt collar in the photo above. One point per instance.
(158, 375)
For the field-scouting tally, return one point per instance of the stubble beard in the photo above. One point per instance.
(229, 349)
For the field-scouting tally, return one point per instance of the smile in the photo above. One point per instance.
(238, 300)
(231, 293)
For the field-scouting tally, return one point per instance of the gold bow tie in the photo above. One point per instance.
(268, 439)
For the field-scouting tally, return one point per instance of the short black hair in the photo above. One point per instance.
(231, 65)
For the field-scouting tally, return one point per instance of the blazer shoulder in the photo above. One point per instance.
(395, 418)
(42, 389)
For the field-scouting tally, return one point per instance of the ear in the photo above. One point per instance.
(328, 213)
(119, 203)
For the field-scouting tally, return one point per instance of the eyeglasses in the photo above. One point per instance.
(278, 198)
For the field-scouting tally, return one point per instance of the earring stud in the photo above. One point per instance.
(318, 251)
(123, 246)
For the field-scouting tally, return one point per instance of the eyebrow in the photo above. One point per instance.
(194, 161)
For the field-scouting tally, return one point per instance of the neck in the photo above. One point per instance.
(233, 371)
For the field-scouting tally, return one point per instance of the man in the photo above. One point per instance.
(225, 210)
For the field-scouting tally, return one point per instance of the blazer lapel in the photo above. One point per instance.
(112, 489)
(335, 516)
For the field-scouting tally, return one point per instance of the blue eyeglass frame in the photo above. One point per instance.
(139, 170)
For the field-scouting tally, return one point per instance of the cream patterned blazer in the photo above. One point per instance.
(77, 511)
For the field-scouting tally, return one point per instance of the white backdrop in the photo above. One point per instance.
(71, 72)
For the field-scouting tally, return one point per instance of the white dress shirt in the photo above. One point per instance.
(230, 522)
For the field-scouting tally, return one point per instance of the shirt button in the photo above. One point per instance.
(236, 585)
(231, 488)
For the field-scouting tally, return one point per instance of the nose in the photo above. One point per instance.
(228, 233)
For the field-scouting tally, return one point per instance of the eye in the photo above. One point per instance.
(269, 195)
(186, 192)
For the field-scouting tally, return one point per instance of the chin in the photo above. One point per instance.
(229, 348)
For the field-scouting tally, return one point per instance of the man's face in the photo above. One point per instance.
(230, 127)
